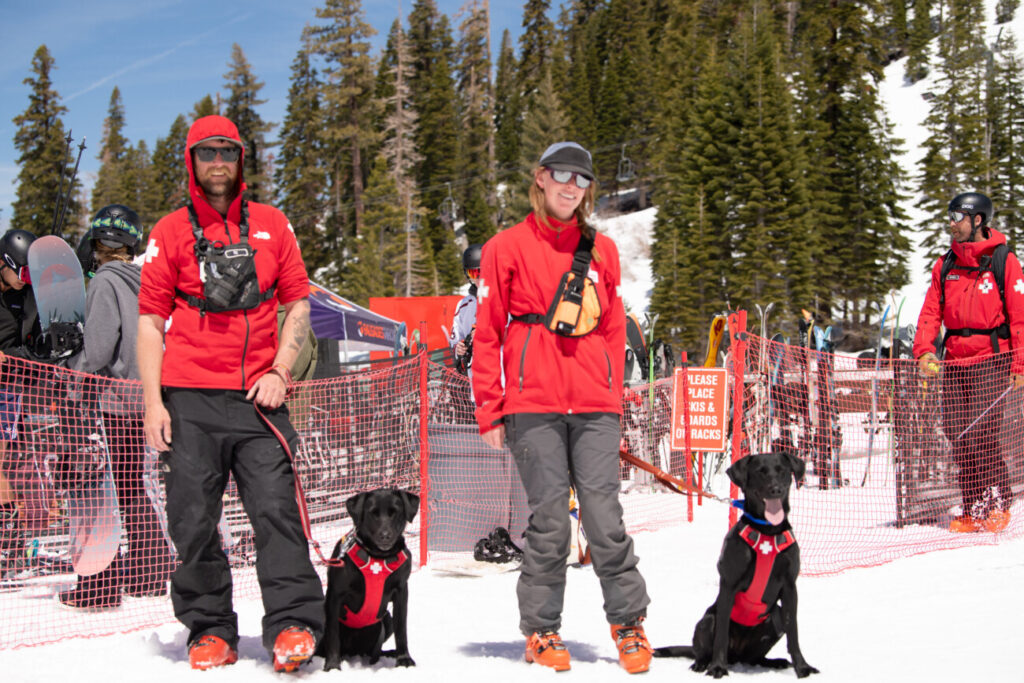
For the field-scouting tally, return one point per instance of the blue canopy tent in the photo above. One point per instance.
(357, 328)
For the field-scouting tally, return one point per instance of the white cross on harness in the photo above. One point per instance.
(376, 568)
(766, 548)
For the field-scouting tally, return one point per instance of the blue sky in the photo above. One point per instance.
(164, 55)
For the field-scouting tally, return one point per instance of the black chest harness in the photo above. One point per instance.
(227, 271)
(995, 264)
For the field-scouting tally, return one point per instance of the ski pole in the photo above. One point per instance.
(984, 412)
(58, 228)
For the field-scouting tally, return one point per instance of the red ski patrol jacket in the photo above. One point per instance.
(525, 368)
(227, 350)
(973, 301)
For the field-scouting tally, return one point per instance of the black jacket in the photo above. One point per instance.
(19, 322)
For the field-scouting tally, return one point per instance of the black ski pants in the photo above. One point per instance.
(216, 433)
(967, 390)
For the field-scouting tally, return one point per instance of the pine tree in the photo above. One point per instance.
(1006, 112)
(919, 41)
(206, 107)
(508, 124)
(955, 156)
(343, 45)
(775, 247)
(243, 99)
(581, 77)
(1005, 9)
(300, 175)
(113, 179)
(856, 208)
(170, 176)
(476, 140)
(43, 154)
(534, 46)
(432, 95)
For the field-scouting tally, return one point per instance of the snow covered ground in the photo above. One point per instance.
(942, 616)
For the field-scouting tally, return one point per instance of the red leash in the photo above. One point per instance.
(672, 483)
(300, 495)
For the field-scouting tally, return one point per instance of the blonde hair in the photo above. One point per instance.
(585, 208)
(104, 254)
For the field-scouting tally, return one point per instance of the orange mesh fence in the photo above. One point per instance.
(897, 463)
(883, 480)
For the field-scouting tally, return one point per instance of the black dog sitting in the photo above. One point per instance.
(757, 571)
(375, 571)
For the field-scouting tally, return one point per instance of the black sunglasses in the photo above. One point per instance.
(227, 154)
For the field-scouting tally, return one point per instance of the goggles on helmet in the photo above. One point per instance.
(957, 216)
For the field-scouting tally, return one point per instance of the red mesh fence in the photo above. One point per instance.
(896, 461)
(882, 435)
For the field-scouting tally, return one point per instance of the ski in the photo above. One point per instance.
(714, 340)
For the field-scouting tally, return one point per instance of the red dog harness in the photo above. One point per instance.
(749, 608)
(375, 573)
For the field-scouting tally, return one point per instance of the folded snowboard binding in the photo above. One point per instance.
(497, 547)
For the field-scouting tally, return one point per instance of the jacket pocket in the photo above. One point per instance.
(522, 356)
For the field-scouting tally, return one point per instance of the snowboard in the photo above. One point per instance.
(637, 342)
(94, 533)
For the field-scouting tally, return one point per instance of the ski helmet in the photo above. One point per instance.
(117, 226)
(14, 248)
(471, 257)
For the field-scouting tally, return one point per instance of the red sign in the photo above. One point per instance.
(707, 390)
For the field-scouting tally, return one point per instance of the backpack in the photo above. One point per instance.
(995, 264)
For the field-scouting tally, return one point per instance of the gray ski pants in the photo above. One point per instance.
(553, 451)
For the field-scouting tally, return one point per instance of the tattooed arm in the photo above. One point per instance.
(271, 388)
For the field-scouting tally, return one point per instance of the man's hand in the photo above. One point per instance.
(269, 391)
(928, 364)
(157, 426)
(495, 438)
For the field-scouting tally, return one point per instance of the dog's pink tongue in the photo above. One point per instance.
(773, 511)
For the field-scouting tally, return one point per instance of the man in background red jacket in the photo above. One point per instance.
(980, 327)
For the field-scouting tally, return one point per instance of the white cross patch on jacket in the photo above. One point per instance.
(985, 286)
(482, 290)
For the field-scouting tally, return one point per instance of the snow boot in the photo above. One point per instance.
(547, 649)
(210, 651)
(293, 647)
(996, 521)
(634, 650)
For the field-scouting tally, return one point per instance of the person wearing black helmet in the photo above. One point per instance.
(983, 314)
(464, 320)
(19, 326)
(111, 324)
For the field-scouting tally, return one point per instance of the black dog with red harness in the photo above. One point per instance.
(757, 570)
(373, 574)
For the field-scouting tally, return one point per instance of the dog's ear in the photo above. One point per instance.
(738, 471)
(796, 463)
(355, 505)
(412, 504)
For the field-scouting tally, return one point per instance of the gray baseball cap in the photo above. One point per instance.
(568, 156)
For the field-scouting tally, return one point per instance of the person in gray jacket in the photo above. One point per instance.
(111, 324)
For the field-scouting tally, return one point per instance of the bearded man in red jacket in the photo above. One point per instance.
(214, 273)
(982, 325)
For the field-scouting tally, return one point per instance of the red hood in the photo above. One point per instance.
(968, 253)
(208, 127)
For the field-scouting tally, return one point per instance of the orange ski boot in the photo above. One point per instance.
(965, 524)
(634, 650)
(211, 651)
(996, 521)
(547, 649)
(293, 647)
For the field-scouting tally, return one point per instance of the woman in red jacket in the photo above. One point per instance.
(555, 396)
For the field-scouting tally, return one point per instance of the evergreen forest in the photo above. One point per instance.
(754, 126)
